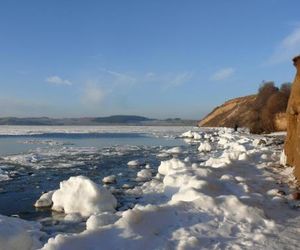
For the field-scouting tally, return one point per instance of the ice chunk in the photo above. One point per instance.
(45, 200)
(109, 179)
(170, 166)
(81, 195)
(175, 150)
(204, 147)
(133, 163)
(282, 158)
(144, 175)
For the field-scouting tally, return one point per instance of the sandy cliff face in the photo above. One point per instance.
(231, 112)
(240, 111)
(292, 143)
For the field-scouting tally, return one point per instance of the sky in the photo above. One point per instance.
(155, 58)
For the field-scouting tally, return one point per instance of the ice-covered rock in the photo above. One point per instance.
(81, 195)
(45, 200)
(109, 179)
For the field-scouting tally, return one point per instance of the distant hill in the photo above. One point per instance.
(120, 119)
(109, 120)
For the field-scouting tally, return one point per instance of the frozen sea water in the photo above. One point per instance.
(33, 161)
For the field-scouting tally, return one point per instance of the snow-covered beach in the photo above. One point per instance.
(219, 190)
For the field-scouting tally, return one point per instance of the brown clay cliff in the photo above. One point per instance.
(292, 142)
(244, 112)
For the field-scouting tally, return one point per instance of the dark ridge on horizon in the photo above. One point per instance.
(108, 120)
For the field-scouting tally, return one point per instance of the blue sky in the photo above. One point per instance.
(158, 58)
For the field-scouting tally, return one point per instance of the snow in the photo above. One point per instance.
(4, 176)
(45, 200)
(283, 158)
(80, 195)
(205, 147)
(18, 234)
(133, 163)
(144, 174)
(175, 150)
(231, 197)
(191, 135)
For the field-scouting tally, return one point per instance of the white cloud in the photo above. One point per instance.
(222, 74)
(58, 80)
(117, 78)
(288, 48)
(92, 94)
(167, 80)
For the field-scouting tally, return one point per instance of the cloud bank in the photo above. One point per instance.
(287, 48)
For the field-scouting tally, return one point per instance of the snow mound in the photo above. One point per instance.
(97, 221)
(133, 163)
(81, 195)
(191, 135)
(144, 175)
(171, 166)
(205, 147)
(17, 234)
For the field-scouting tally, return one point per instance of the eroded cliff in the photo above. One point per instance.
(292, 142)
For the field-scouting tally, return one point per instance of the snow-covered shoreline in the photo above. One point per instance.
(230, 194)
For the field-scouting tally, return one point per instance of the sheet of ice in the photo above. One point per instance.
(159, 131)
(17, 234)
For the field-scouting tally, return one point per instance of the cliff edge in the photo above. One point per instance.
(292, 143)
(253, 112)
(234, 111)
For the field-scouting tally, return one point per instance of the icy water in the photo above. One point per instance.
(35, 162)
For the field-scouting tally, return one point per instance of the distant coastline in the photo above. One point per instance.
(130, 120)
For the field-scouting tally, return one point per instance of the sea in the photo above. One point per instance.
(34, 160)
